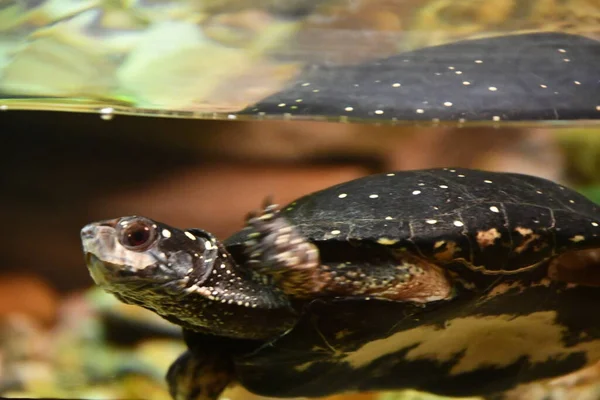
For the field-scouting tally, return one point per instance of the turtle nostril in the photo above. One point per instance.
(88, 231)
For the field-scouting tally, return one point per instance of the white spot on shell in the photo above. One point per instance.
(492, 88)
(419, 111)
(388, 218)
(349, 109)
(487, 181)
(396, 84)
(166, 233)
(431, 221)
(342, 195)
(391, 175)
(335, 232)
(448, 104)
(494, 209)
(207, 245)
(373, 196)
(416, 192)
(458, 223)
(188, 234)
(594, 224)
(443, 186)
(379, 112)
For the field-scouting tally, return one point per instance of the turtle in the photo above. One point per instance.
(533, 76)
(454, 281)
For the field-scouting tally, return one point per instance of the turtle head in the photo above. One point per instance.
(134, 252)
(186, 276)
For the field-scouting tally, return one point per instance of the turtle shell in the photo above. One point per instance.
(496, 230)
(495, 223)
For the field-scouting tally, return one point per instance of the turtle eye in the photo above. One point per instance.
(137, 234)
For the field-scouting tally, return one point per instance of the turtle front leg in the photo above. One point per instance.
(196, 376)
(278, 253)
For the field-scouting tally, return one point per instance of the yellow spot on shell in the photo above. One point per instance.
(487, 238)
(577, 238)
(386, 241)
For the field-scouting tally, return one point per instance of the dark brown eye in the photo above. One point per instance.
(137, 234)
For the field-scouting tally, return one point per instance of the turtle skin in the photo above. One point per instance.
(452, 281)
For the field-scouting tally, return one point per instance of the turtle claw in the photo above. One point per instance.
(268, 202)
(251, 215)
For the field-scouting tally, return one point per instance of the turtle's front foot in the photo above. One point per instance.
(192, 377)
(277, 251)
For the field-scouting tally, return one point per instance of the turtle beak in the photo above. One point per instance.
(96, 240)
(90, 230)
(90, 234)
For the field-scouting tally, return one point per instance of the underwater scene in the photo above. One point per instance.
(269, 199)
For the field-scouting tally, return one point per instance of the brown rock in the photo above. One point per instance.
(26, 294)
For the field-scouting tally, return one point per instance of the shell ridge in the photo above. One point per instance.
(465, 233)
(411, 239)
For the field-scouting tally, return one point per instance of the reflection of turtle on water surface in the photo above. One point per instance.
(542, 76)
(225, 56)
(454, 281)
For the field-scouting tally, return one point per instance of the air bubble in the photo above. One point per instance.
(107, 113)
